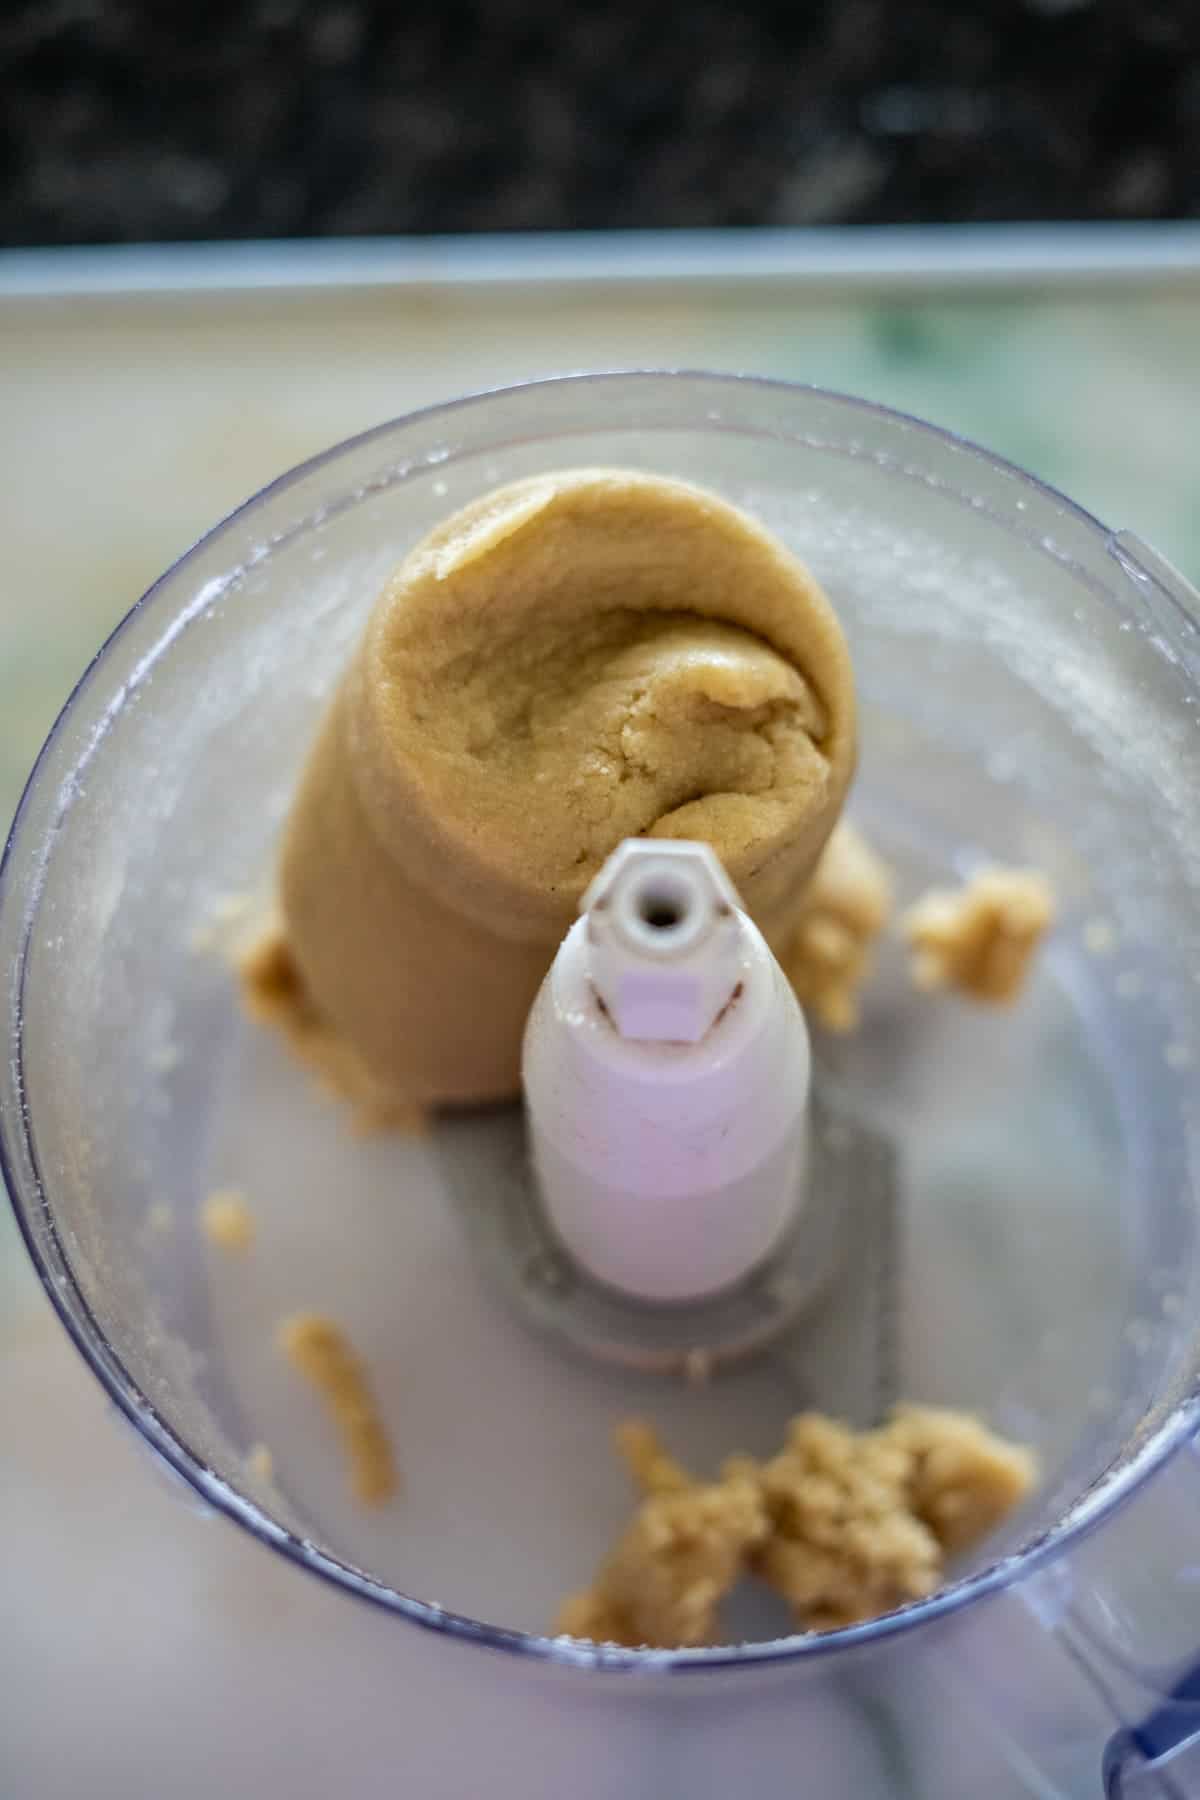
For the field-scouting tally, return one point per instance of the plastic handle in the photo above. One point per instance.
(1158, 1755)
(1166, 1745)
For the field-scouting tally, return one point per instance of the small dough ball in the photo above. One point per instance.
(227, 1220)
(981, 938)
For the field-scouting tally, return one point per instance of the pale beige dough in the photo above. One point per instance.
(963, 1479)
(274, 993)
(686, 1546)
(981, 938)
(846, 1525)
(227, 1220)
(841, 913)
(861, 1522)
(319, 1348)
(569, 661)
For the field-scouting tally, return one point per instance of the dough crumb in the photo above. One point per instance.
(159, 1218)
(981, 938)
(273, 992)
(843, 910)
(662, 1584)
(323, 1354)
(227, 1221)
(260, 1463)
(845, 1525)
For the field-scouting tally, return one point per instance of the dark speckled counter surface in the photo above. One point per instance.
(124, 122)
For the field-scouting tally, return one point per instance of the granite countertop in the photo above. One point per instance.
(122, 122)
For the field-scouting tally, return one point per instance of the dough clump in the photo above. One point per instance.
(274, 993)
(845, 1525)
(569, 661)
(843, 910)
(680, 1555)
(980, 939)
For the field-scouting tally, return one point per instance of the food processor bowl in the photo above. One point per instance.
(1029, 684)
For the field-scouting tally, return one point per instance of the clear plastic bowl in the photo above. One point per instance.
(1029, 686)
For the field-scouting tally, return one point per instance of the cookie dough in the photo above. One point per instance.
(963, 1479)
(861, 1522)
(686, 1546)
(843, 910)
(569, 661)
(845, 1525)
(227, 1221)
(980, 939)
(274, 993)
(321, 1351)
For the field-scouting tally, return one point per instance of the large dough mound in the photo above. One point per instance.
(568, 661)
(845, 1525)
